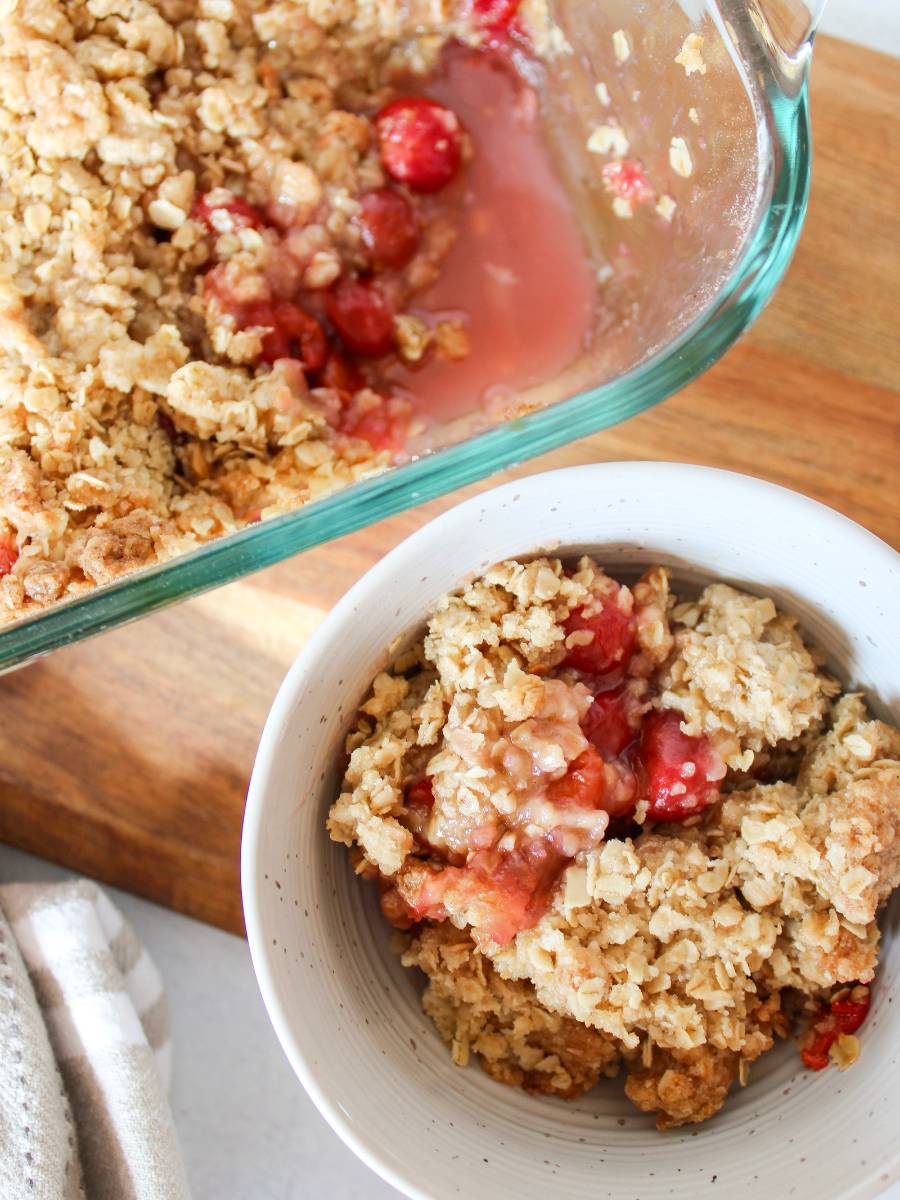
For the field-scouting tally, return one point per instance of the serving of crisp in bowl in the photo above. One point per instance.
(601, 737)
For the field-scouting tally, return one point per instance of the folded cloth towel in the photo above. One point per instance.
(85, 1054)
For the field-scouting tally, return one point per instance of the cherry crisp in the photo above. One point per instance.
(625, 831)
(216, 214)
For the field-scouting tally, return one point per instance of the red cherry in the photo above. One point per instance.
(261, 314)
(293, 333)
(674, 769)
(341, 374)
(299, 327)
(420, 794)
(606, 725)
(494, 14)
(849, 1013)
(389, 229)
(384, 427)
(590, 784)
(841, 1016)
(275, 344)
(362, 317)
(583, 784)
(625, 177)
(8, 555)
(421, 142)
(223, 212)
(815, 1053)
(614, 631)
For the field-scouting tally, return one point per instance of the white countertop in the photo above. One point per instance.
(247, 1130)
(873, 23)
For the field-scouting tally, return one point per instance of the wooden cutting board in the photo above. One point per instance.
(128, 757)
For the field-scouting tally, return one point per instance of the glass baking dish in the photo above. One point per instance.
(677, 293)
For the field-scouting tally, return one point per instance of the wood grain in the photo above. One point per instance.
(128, 757)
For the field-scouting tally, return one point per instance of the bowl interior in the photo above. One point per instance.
(347, 1013)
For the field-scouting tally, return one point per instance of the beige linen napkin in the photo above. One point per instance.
(85, 1053)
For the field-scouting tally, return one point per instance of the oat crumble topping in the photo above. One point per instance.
(608, 139)
(627, 832)
(690, 56)
(665, 207)
(621, 46)
(190, 189)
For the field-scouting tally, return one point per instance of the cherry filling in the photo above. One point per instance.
(511, 888)
(607, 725)
(9, 555)
(844, 1015)
(420, 795)
(632, 756)
(594, 782)
(389, 228)
(362, 317)
(380, 427)
(359, 315)
(222, 211)
(583, 785)
(494, 14)
(503, 888)
(604, 636)
(292, 332)
(678, 775)
(504, 891)
(407, 250)
(295, 334)
(625, 178)
(420, 141)
(341, 374)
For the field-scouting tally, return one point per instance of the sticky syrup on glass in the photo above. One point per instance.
(518, 274)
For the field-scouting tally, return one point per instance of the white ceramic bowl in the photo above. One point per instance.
(348, 1015)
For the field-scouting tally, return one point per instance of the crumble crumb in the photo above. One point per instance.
(665, 207)
(451, 340)
(680, 158)
(608, 139)
(690, 57)
(621, 46)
